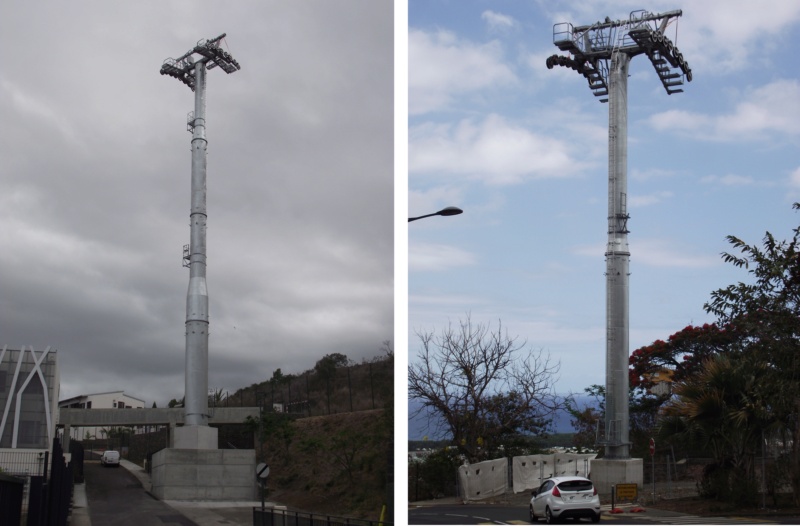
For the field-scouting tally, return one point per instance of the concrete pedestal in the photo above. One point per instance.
(196, 437)
(609, 472)
(204, 474)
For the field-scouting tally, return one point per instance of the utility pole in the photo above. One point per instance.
(602, 52)
(190, 69)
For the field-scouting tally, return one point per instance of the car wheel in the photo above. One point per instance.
(596, 518)
(533, 516)
(549, 516)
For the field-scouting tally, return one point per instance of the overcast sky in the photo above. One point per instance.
(95, 185)
(524, 151)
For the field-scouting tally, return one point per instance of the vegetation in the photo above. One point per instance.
(736, 381)
(435, 475)
(332, 464)
(471, 379)
(323, 456)
(335, 461)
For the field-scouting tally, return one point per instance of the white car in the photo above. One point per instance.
(110, 458)
(565, 497)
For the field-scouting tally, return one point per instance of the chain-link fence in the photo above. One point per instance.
(357, 387)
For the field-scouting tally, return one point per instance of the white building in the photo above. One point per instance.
(110, 400)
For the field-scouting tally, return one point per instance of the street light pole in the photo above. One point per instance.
(449, 211)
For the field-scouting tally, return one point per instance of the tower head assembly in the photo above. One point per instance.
(182, 68)
(591, 47)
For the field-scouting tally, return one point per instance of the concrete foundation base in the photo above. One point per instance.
(204, 474)
(196, 437)
(609, 472)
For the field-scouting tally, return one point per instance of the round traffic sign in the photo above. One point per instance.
(652, 446)
(262, 471)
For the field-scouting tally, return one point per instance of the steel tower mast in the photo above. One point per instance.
(602, 52)
(190, 69)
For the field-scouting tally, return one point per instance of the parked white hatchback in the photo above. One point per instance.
(565, 497)
(110, 458)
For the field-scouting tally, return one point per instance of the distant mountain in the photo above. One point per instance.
(420, 427)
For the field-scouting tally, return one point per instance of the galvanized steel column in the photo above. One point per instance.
(617, 264)
(196, 393)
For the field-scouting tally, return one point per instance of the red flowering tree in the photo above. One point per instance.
(683, 352)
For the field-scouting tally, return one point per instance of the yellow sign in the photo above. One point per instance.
(627, 492)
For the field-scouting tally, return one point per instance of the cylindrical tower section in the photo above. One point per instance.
(617, 265)
(196, 394)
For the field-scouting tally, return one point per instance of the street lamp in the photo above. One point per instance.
(449, 211)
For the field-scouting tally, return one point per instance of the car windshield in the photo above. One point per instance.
(576, 485)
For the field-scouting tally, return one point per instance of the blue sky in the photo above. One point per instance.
(523, 150)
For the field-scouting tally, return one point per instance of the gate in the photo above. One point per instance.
(11, 499)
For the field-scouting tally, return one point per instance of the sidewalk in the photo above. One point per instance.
(203, 513)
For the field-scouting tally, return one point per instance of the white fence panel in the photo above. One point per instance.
(528, 471)
(484, 479)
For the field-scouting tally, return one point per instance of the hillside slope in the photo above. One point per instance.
(332, 464)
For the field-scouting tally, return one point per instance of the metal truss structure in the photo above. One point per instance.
(182, 68)
(591, 47)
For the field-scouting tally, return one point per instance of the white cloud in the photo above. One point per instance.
(494, 151)
(793, 182)
(725, 35)
(650, 173)
(441, 67)
(28, 105)
(656, 253)
(650, 199)
(659, 253)
(437, 257)
(794, 179)
(728, 180)
(498, 22)
(765, 112)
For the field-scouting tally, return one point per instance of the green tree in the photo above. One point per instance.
(766, 312)
(720, 409)
(435, 476)
(327, 365)
(216, 397)
(277, 378)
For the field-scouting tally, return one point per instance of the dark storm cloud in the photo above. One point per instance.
(95, 172)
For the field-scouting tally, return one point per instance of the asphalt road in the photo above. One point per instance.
(502, 514)
(472, 514)
(116, 498)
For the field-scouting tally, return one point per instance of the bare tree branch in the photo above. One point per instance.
(482, 386)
